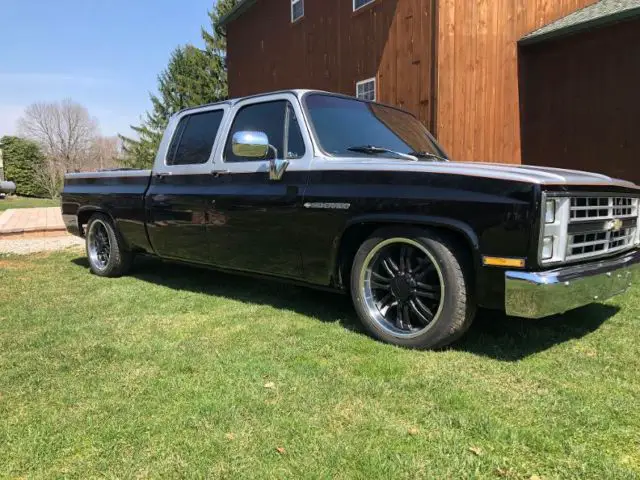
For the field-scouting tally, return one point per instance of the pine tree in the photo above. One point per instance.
(192, 77)
(216, 41)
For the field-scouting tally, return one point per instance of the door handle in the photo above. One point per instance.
(217, 173)
(163, 176)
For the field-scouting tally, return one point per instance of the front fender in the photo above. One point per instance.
(421, 220)
(385, 219)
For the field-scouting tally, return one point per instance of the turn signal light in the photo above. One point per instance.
(503, 262)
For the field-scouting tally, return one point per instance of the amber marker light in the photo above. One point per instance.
(503, 262)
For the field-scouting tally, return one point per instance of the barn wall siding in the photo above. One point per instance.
(332, 48)
(477, 88)
(580, 101)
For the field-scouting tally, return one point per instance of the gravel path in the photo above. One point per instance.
(32, 245)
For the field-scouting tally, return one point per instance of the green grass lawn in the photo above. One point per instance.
(27, 202)
(186, 373)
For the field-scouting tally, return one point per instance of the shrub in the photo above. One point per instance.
(23, 162)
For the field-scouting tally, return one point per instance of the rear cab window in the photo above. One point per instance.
(192, 139)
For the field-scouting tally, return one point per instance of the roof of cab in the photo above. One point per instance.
(232, 101)
(299, 92)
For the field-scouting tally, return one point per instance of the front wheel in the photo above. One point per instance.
(106, 251)
(411, 287)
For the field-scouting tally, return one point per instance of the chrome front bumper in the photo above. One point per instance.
(540, 294)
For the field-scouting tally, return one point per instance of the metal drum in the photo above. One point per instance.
(7, 187)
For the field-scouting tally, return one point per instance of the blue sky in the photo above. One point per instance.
(103, 54)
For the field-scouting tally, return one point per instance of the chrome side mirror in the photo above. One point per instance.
(250, 144)
(256, 145)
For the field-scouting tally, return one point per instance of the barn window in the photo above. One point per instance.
(297, 10)
(361, 3)
(366, 89)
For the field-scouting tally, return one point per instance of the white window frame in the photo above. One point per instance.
(293, 2)
(160, 165)
(361, 6)
(253, 166)
(375, 88)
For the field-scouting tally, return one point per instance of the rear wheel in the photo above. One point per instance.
(106, 251)
(411, 287)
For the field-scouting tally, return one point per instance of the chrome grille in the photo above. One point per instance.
(601, 225)
(595, 208)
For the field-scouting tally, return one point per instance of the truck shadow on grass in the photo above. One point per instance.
(493, 334)
(498, 336)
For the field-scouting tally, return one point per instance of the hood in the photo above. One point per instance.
(517, 173)
(553, 176)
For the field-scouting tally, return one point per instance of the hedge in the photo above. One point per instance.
(22, 159)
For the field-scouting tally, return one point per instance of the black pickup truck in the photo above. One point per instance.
(333, 192)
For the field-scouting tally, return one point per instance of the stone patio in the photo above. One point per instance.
(31, 223)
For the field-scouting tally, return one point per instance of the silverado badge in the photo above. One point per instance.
(334, 206)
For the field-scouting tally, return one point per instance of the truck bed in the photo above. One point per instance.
(120, 192)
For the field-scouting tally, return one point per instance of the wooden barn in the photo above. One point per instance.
(543, 82)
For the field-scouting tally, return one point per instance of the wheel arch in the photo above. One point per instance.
(85, 213)
(358, 229)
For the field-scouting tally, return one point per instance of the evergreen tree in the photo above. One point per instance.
(216, 41)
(192, 77)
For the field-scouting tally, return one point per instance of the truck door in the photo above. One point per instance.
(252, 220)
(177, 198)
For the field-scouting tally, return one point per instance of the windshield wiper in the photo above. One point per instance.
(373, 150)
(428, 155)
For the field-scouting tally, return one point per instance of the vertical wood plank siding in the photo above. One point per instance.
(331, 48)
(477, 88)
(581, 101)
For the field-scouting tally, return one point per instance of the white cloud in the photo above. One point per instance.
(9, 115)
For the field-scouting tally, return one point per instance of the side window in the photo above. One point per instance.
(297, 10)
(194, 137)
(278, 120)
(357, 4)
(293, 135)
(366, 89)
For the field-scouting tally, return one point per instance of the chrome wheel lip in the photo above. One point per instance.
(94, 246)
(367, 292)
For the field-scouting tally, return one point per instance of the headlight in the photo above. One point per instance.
(554, 219)
(547, 248)
(550, 211)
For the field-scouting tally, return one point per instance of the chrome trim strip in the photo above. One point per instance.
(110, 174)
(540, 294)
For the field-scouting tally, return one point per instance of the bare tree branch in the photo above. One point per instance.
(64, 130)
(69, 138)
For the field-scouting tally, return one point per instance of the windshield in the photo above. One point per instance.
(343, 126)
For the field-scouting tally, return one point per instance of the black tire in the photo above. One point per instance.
(119, 258)
(452, 270)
